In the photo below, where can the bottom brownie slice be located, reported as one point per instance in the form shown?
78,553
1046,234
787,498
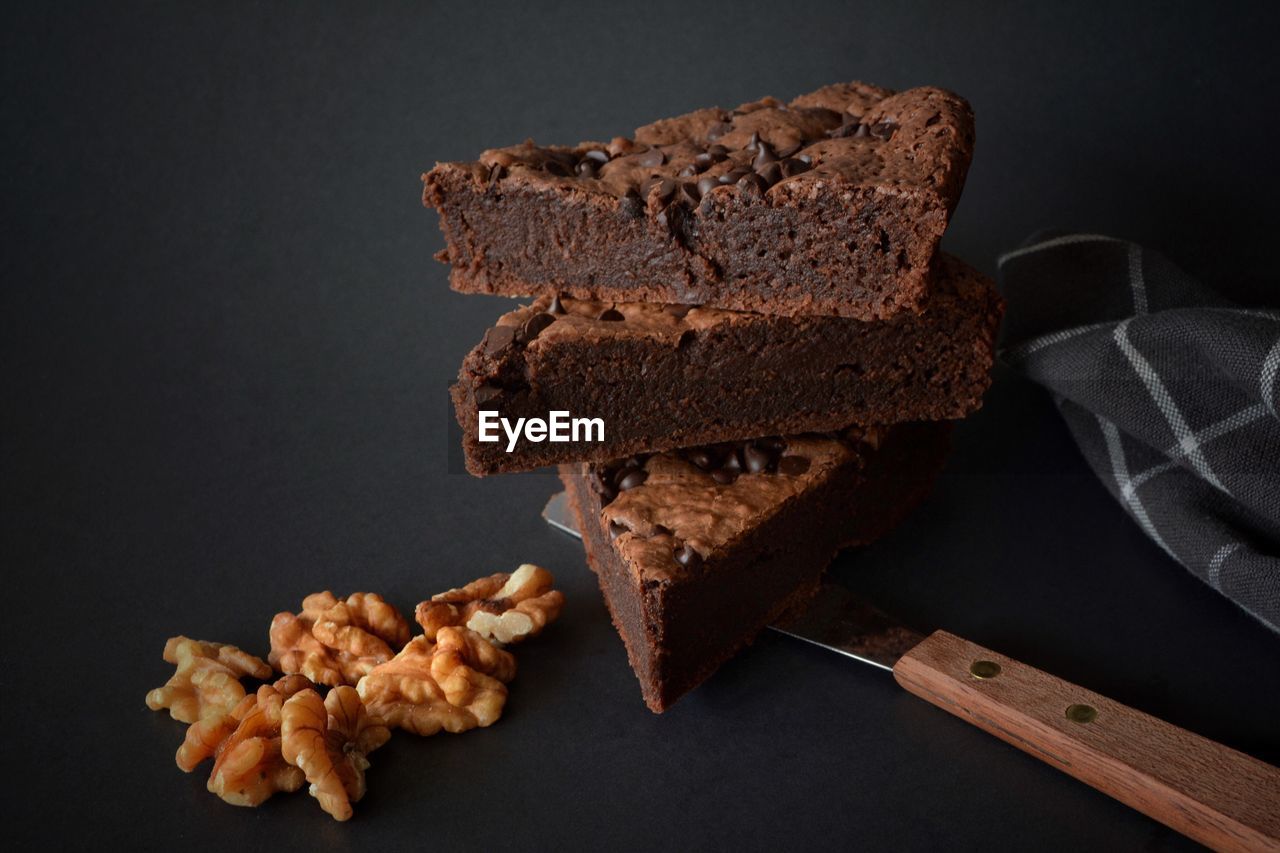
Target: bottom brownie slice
698,550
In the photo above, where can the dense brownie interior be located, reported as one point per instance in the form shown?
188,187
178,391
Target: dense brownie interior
665,376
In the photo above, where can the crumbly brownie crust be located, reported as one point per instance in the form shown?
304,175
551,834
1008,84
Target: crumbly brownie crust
674,537
662,377
831,204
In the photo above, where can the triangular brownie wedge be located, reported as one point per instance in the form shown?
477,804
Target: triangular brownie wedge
830,204
660,377
698,550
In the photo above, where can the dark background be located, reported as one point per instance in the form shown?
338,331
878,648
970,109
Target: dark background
226,352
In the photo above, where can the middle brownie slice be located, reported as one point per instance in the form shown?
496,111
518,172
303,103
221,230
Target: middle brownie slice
660,377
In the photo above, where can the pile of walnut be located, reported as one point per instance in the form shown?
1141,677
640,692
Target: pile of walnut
453,676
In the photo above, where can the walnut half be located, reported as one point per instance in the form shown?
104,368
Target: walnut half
334,641
504,608
248,765
329,740
455,684
207,681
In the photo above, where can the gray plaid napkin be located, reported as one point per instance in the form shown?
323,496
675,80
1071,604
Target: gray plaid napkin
1171,392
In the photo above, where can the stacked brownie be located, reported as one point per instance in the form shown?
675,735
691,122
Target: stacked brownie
752,303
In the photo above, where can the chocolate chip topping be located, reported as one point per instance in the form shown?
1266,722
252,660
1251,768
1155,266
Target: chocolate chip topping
633,478
612,315
534,325
680,507
498,338
686,556
556,306
487,394
652,158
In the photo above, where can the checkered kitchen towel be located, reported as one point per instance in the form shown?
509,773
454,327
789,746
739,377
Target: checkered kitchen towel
1171,392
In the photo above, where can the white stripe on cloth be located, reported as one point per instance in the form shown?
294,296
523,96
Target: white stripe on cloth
1066,240
1215,565
1120,469
1244,417
1177,423
1270,367
1136,282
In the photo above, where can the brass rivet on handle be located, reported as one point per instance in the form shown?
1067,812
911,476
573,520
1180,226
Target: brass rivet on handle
1081,713
984,669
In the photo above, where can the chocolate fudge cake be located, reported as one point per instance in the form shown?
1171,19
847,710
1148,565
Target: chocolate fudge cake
830,204
663,376
698,550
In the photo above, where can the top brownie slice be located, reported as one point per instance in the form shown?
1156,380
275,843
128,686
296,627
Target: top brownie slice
832,204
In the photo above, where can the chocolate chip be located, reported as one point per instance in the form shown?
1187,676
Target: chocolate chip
793,466
752,181
690,193
688,557
776,443
586,169
754,142
723,477
861,131
487,393
555,167
496,174
706,185
616,530
600,485
555,307
635,477
732,463
702,458
756,459
718,151
598,155
771,173
732,177
498,338
678,311
666,189
849,128
652,158
883,129
688,171
764,156
535,324
793,166
632,204
659,530
611,315
707,159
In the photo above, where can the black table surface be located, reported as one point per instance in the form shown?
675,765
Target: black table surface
226,353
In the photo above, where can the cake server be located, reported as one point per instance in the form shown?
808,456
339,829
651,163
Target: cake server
1209,792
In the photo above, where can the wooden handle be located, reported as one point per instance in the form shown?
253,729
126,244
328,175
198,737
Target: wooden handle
1206,791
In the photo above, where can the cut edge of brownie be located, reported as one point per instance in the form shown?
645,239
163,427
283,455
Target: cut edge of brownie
830,216
863,498
664,377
